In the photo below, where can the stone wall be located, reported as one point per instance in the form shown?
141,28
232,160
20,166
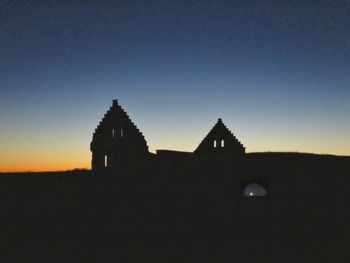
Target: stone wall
116,141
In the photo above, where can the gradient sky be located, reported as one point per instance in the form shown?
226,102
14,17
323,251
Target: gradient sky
276,72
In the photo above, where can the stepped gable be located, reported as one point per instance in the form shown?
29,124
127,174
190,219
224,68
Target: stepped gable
116,139
220,139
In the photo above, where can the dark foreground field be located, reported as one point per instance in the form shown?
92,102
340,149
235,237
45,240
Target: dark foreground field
181,212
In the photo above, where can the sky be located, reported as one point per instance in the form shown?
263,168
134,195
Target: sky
276,72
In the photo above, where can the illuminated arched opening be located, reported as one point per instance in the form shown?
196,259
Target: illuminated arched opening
254,189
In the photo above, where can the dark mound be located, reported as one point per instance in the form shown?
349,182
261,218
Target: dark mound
193,211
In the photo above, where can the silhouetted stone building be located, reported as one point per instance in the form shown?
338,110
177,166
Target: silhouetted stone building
220,140
117,142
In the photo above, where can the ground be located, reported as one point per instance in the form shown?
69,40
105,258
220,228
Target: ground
194,212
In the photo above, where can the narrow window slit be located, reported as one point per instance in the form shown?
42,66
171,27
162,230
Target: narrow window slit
106,161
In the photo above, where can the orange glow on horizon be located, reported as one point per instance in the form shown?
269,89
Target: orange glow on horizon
41,169
85,163
46,154
48,161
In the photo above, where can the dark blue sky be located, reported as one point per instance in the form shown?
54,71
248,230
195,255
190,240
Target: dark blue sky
277,72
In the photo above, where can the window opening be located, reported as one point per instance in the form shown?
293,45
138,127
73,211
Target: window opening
214,144
106,161
222,143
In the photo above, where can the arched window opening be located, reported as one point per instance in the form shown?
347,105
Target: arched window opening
214,144
121,133
222,143
254,190
106,161
113,134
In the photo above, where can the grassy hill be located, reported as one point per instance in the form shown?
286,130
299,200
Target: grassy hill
194,211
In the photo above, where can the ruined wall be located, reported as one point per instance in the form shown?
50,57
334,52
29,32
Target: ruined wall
220,140
116,141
